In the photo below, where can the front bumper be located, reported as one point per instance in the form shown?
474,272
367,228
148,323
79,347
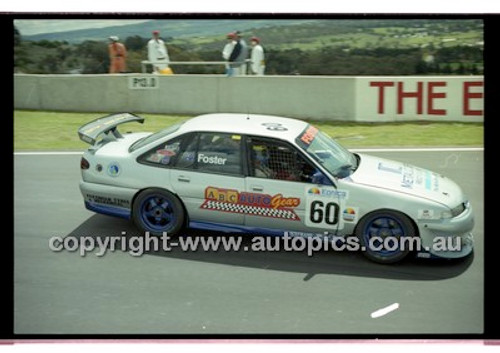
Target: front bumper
448,238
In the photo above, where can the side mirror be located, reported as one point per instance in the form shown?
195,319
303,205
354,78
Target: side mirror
320,179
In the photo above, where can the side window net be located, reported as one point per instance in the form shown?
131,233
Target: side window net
278,161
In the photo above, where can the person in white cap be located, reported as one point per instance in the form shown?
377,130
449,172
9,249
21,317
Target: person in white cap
257,58
117,55
157,53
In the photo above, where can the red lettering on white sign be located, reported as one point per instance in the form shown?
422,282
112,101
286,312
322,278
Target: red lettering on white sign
381,86
417,94
431,95
434,93
468,95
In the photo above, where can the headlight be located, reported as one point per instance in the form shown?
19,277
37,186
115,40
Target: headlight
446,214
455,211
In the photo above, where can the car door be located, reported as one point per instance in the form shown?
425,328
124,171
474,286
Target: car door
285,190
208,175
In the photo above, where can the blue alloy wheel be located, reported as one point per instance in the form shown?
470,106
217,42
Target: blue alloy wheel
382,233
157,211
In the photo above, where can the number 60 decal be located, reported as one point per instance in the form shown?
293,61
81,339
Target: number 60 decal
321,213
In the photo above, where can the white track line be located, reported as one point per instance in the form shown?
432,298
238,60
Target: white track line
384,311
437,149
61,153
443,149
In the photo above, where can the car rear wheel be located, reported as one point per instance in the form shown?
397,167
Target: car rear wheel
382,235
158,211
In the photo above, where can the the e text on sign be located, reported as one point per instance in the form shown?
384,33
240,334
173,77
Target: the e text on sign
436,97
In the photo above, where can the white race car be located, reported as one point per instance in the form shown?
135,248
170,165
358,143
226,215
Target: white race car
268,175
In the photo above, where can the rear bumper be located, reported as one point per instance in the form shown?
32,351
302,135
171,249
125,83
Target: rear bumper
108,210
109,200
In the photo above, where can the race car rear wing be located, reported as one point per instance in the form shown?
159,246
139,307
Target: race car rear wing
106,125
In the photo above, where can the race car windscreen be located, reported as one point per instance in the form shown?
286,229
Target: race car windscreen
331,155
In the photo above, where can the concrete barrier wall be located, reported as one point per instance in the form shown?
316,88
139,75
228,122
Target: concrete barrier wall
458,98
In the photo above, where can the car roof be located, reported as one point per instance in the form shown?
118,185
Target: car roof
250,124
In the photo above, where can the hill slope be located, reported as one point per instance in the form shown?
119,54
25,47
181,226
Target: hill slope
169,28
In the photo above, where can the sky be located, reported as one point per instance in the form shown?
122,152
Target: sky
30,27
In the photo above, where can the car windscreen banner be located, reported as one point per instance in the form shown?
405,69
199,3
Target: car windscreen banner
307,136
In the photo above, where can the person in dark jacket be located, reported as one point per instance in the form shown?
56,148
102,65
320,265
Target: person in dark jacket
226,52
239,55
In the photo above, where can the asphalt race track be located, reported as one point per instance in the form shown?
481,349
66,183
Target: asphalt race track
228,292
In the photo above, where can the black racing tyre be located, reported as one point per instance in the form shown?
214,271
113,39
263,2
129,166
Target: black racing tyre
158,211
380,234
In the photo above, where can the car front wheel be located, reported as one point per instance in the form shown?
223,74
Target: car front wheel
383,234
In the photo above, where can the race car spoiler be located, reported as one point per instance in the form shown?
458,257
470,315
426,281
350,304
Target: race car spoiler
108,124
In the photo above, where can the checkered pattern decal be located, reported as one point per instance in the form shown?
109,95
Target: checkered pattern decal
250,210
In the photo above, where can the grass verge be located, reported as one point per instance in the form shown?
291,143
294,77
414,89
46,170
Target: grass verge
41,130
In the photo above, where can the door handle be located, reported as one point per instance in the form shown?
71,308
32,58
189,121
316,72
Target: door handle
257,188
183,179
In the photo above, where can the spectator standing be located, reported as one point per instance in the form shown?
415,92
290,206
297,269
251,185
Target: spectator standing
117,55
228,49
239,55
243,57
257,63
157,53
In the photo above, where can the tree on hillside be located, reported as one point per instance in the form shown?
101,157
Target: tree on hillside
446,69
49,64
48,44
460,70
134,59
17,36
94,56
286,62
21,60
136,43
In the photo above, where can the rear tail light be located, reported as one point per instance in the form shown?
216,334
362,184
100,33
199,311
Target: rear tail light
84,164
